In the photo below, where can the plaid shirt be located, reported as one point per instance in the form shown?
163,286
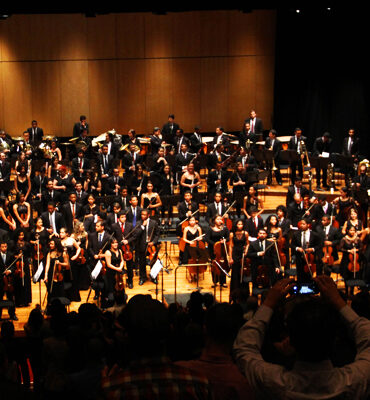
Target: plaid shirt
156,379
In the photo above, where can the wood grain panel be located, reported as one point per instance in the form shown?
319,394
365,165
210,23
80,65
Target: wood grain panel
265,88
17,38
186,34
74,93
214,93
1,96
158,35
130,39
101,37
45,96
102,96
72,36
214,33
159,92
241,37
17,102
242,90
131,96
265,33
186,92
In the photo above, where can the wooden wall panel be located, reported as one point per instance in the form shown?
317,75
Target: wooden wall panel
265,33
45,96
131,107
214,33
158,36
102,96
159,91
17,38
17,102
74,93
241,36
1,96
72,36
214,93
242,90
101,37
186,90
186,34
130,39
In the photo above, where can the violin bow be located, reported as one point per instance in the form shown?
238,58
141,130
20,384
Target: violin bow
189,217
229,208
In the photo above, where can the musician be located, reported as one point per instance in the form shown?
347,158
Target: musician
182,160
85,138
238,183
7,270
38,184
305,241
283,222
216,208
190,180
254,223
112,218
92,185
274,144
296,210
322,208
221,138
22,182
296,188
57,261
238,246
167,185
123,199
22,211
251,200
217,232
247,139
125,235
39,238
169,129
52,220
217,180
351,144
187,207
112,148
295,143
196,140
179,139
148,235
330,236
26,145
114,265
115,183
350,244
53,168
64,183
263,253
131,160
132,139
156,140
80,126
322,144
159,162
134,212
7,223
191,234
72,211
217,156
139,181
247,160
344,202
80,165
81,195
255,123
97,241
5,142
105,161
5,169
275,233
362,185
354,221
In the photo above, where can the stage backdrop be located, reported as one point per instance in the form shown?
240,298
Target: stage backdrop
131,70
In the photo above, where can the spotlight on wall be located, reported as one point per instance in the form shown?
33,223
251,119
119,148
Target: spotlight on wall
297,11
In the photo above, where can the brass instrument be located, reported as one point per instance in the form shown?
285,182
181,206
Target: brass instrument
331,175
304,151
274,168
365,162
125,147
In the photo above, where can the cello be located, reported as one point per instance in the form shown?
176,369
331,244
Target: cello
353,264
221,261
310,266
195,270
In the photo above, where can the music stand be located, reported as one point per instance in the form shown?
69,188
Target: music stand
319,163
289,156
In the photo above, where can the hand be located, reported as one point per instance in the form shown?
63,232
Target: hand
150,244
73,258
329,291
218,181
226,216
300,249
231,261
278,292
261,253
96,256
327,243
277,270
7,272
188,213
124,241
310,250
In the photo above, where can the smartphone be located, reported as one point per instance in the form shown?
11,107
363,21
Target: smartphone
305,288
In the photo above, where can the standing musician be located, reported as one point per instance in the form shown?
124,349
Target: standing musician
190,180
36,133
112,218
265,264
53,221
105,162
39,238
255,123
169,129
251,200
238,183
138,181
7,268
131,160
151,201
361,186
72,211
351,247
192,233
115,183
217,232
167,185
132,139
57,261
216,156
217,180
80,126
126,237
216,208
296,210
297,143
156,140
254,223
114,267
247,139
196,140
182,160
305,242
344,202
354,221
80,165
350,148
274,144
180,139
283,222
322,144
296,188
238,246
147,239
134,212
123,198
323,208
221,138
159,162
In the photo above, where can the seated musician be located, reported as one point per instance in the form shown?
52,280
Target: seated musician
238,248
131,139
351,248
304,243
124,233
151,201
247,159
217,180
7,268
217,232
148,235
251,200
216,208
296,210
264,256
114,265
274,144
322,144
296,188
297,143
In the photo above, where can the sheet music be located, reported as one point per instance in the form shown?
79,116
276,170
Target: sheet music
156,269
96,271
38,273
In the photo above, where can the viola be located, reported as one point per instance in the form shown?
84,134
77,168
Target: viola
353,264
310,266
119,285
58,272
127,253
19,267
281,244
8,283
37,249
245,266
328,258
151,250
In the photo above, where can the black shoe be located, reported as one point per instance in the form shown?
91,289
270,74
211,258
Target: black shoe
224,285
96,297
130,285
141,282
14,317
155,281
280,183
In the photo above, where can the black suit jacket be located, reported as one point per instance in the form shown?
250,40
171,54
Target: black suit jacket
251,228
258,126
112,184
37,182
314,242
303,191
195,143
270,257
276,148
116,228
67,214
295,213
182,209
109,167
128,160
59,220
47,197
319,146
355,149
212,212
213,177
181,161
5,170
155,143
176,142
130,215
334,236
169,132
83,198
153,235
76,167
77,129
292,145
225,141
285,226
37,137
94,245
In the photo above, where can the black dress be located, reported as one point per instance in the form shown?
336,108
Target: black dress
109,278
22,286
84,276
343,210
22,186
56,288
237,255
213,237
344,246
43,237
188,181
189,236
153,212
72,276
167,182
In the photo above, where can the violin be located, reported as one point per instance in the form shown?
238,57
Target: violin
58,272
127,253
328,258
119,285
245,265
37,249
81,259
151,250
221,261
310,266
19,266
281,244
353,264
8,283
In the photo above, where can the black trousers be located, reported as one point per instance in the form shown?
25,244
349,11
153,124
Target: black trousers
293,167
9,297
